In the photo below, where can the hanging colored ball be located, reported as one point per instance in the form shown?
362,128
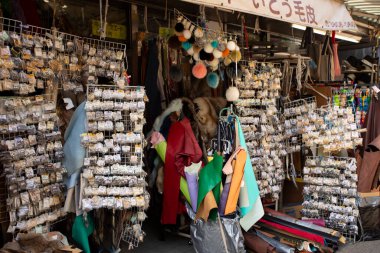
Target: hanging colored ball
213,80
182,38
186,45
199,70
179,27
225,53
187,34
214,43
231,45
214,68
198,33
213,63
232,94
227,61
208,48
203,55
217,54
235,56
187,25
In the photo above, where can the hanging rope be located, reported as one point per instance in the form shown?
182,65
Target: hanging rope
103,23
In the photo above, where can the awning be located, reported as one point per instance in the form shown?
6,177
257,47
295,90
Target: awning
321,14
365,9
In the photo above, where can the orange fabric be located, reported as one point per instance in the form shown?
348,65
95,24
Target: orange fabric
237,177
206,206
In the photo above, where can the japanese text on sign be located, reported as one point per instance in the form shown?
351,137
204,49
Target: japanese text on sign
114,31
322,14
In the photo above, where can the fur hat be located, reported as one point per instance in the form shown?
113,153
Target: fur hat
207,115
234,70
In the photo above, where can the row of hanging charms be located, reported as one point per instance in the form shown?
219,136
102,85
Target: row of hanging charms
35,59
259,115
31,153
113,172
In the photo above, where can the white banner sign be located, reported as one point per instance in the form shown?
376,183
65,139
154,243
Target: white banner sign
321,14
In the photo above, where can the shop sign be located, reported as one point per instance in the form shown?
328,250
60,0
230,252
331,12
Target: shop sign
113,31
321,14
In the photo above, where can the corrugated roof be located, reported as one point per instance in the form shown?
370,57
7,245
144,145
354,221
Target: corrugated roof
366,9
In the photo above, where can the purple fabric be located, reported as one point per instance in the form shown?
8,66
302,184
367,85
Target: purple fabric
223,198
192,183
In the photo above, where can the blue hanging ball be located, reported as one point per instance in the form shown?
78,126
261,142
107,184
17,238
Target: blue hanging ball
213,80
186,45
215,44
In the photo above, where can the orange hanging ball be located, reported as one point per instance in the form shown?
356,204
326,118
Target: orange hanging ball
225,53
199,70
182,38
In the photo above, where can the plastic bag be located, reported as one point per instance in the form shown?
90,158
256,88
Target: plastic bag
207,236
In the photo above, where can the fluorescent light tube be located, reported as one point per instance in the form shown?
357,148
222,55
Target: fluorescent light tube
338,35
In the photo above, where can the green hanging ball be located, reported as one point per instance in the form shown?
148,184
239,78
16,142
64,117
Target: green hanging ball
186,45
214,44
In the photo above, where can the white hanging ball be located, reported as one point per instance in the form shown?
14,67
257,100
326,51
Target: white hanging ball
179,19
227,61
208,48
217,54
214,68
187,26
196,56
190,51
214,62
187,34
198,33
231,45
232,94
237,48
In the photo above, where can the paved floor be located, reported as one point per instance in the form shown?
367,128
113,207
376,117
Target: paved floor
362,247
153,244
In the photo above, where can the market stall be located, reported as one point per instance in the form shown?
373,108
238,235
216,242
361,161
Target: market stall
210,120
